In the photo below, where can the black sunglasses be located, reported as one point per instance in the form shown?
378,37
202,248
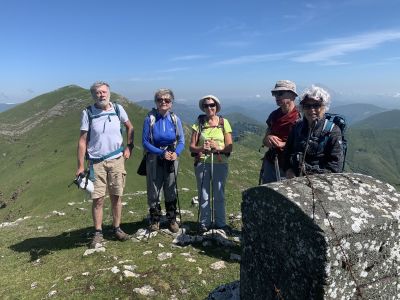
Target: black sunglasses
209,105
310,106
278,93
160,100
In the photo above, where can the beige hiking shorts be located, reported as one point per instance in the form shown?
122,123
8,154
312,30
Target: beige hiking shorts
109,175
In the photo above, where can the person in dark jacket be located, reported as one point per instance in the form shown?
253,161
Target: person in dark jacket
310,149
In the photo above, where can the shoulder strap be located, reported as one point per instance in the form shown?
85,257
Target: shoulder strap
116,108
152,118
175,121
89,113
221,124
326,130
328,126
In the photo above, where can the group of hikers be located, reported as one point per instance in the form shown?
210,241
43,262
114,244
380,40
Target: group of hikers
296,146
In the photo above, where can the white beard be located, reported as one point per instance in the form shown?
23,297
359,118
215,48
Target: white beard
103,103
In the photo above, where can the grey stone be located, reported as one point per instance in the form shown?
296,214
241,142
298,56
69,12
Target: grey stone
341,243
230,291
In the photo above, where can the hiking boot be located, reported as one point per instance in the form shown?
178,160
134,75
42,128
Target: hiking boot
120,235
173,226
226,228
202,228
154,226
97,240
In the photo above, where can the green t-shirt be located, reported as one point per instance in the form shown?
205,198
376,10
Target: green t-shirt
216,134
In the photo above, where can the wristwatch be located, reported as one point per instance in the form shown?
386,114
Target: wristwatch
131,146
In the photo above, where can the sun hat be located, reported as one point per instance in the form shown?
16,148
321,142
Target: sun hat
214,98
284,85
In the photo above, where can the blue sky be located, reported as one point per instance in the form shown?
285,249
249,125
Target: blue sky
233,49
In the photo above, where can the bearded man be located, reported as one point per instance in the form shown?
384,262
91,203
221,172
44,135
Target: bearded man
101,142
279,125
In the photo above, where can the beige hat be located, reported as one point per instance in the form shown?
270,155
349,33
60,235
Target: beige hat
284,85
214,98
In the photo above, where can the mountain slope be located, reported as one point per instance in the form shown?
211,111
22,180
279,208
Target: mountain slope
374,146
375,152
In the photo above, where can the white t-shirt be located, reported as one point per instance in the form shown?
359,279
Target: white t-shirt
105,134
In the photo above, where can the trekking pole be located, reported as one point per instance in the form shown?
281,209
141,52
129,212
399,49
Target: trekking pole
277,170
260,176
302,165
212,193
177,195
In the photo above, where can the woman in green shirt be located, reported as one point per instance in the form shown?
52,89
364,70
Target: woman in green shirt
211,143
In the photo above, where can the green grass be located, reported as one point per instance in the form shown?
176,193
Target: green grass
375,152
60,241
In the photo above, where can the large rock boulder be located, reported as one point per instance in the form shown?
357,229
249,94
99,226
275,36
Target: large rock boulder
332,236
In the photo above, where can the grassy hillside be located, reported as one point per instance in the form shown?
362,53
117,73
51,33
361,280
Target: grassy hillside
374,146
44,224
375,152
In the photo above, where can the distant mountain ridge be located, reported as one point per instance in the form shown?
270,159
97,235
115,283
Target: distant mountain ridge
6,106
357,111
240,122
385,120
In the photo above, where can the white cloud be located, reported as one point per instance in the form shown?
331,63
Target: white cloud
189,57
246,59
331,48
393,58
145,79
172,70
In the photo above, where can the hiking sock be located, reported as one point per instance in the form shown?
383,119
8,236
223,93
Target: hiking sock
98,231
115,229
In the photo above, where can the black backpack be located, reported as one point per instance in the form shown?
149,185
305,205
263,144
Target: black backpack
330,121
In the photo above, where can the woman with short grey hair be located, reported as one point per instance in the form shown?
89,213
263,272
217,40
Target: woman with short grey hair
311,148
163,141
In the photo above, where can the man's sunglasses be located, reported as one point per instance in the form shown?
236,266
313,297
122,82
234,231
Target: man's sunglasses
279,93
310,106
209,105
161,100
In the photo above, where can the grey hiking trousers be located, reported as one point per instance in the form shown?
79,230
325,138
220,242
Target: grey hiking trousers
160,180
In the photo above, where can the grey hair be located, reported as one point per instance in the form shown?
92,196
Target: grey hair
316,93
162,92
97,84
